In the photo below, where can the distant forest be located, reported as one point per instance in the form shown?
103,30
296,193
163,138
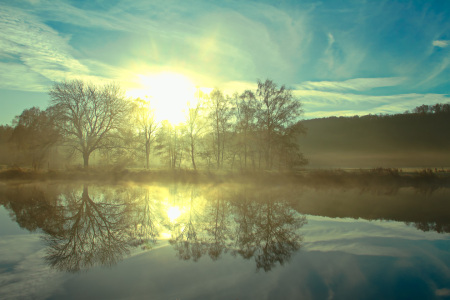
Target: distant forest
417,138
256,130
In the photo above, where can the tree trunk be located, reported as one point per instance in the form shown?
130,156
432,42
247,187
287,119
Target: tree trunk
192,154
147,155
86,159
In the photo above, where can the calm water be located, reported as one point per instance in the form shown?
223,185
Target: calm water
80,241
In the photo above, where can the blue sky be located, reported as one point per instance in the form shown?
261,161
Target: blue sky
339,57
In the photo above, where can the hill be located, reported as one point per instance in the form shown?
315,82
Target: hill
416,140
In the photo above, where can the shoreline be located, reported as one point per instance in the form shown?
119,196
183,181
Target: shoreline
377,177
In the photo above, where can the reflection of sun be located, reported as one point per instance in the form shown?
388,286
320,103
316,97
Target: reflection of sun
173,213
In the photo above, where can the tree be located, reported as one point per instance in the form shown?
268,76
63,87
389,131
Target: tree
194,126
34,134
278,110
169,144
219,116
88,115
5,149
146,124
245,122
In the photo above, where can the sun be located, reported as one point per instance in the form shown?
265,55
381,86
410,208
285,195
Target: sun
169,94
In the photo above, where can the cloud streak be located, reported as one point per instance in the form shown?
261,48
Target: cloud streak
34,48
356,84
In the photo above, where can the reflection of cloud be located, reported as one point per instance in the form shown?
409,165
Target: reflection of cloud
441,43
29,277
361,237
443,292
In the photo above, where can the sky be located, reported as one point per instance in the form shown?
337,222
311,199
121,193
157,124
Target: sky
340,58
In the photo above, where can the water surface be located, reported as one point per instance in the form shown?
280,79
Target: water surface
222,241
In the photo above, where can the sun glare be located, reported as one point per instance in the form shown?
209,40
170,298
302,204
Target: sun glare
168,93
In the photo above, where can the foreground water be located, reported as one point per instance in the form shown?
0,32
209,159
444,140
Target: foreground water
223,241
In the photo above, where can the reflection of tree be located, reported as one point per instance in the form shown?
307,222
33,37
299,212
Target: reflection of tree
245,210
93,232
147,217
32,206
432,226
267,228
185,239
217,224
249,223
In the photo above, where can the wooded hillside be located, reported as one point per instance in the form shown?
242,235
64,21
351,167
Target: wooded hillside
417,139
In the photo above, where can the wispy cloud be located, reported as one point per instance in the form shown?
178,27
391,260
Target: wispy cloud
239,43
10,73
34,48
325,104
356,84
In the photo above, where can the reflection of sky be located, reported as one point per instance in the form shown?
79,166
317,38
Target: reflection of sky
340,258
362,236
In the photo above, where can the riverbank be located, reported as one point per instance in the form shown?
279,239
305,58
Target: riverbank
339,178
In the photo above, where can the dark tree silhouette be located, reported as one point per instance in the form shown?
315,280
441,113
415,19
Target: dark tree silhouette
34,134
33,206
278,110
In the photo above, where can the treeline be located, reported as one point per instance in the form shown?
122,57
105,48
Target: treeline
425,129
257,129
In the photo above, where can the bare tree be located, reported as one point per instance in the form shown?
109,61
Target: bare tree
194,126
146,124
169,144
88,115
219,114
